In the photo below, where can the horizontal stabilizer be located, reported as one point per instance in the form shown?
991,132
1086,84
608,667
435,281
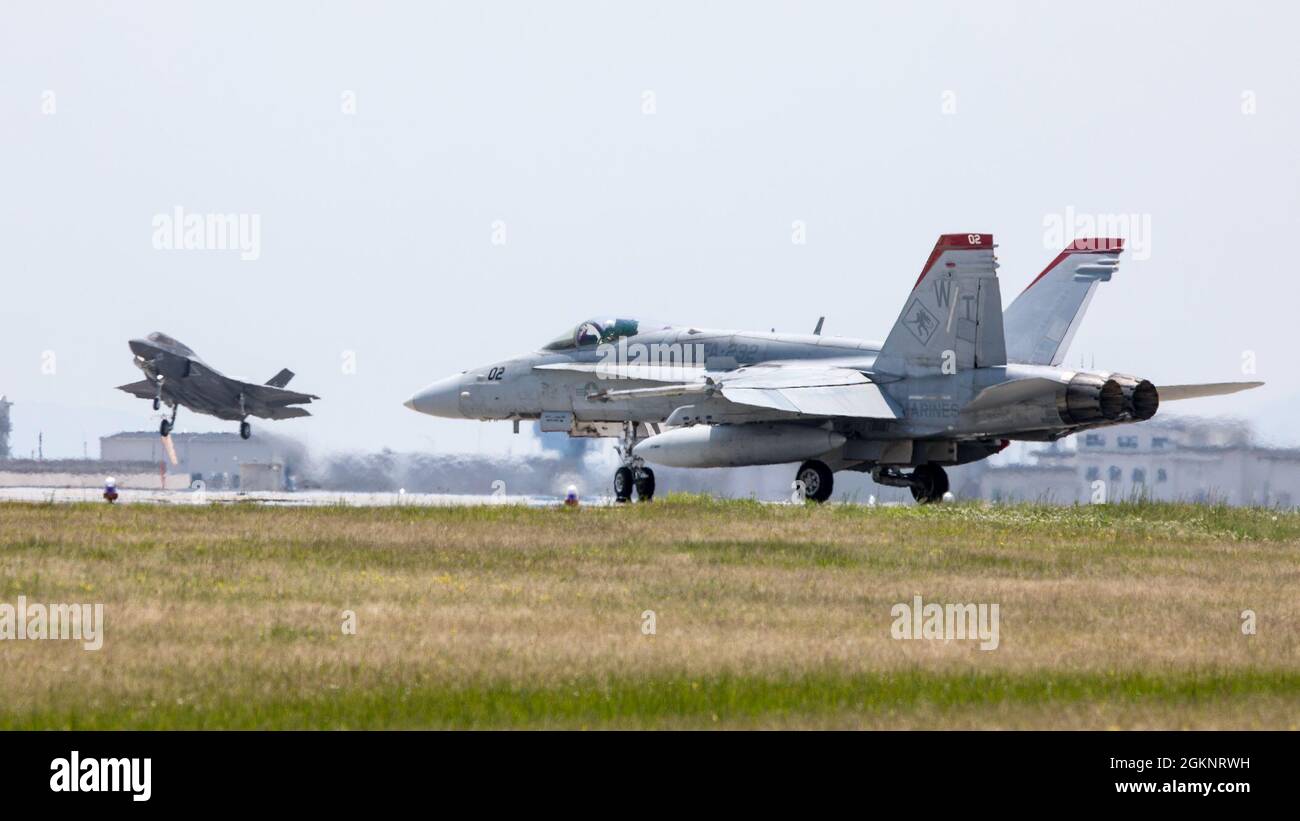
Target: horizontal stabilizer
1172,393
1008,393
282,412
281,379
267,395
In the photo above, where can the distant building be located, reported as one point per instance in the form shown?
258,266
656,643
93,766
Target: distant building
5,427
1175,459
261,476
87,473
216,459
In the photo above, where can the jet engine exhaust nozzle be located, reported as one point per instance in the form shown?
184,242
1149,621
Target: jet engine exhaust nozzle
1089,398
1141,399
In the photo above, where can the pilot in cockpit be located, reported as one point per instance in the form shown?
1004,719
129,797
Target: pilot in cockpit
588,333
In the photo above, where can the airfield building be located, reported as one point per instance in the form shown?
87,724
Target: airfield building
1175,459
5,427
222,461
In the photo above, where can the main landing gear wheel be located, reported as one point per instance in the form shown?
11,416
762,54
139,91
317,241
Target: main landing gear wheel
623,482
645,485
931,482
245,430
157,403
168,424
817,479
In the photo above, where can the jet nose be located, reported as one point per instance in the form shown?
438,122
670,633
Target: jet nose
442,398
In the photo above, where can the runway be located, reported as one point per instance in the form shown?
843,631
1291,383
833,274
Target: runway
307,498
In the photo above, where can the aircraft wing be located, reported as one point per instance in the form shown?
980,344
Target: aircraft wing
796,389
1172,393
271,396
253,393
270,402
811,391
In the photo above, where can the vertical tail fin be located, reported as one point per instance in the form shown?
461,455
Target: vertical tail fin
953,317
1042,321
280,379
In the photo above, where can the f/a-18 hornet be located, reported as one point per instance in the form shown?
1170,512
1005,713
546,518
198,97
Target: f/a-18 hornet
956,380
175,376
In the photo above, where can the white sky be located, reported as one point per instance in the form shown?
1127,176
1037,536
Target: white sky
376,227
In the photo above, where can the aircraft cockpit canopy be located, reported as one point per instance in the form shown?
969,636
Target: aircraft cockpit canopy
600,332
166,341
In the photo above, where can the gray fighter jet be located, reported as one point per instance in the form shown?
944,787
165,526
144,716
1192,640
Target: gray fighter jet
175,376
956,380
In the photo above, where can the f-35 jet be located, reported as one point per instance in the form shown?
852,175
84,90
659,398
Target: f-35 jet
175,376
956,380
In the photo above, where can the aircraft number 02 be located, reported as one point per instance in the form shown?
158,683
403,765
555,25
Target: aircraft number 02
496,374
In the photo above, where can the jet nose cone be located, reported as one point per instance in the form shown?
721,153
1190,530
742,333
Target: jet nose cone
442,398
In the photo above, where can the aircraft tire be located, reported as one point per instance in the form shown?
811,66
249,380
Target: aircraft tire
943,482
165,428
157,403
932,483
623,482
818,480
245,430
645,485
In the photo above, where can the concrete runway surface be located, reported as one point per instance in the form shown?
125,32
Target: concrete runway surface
307,498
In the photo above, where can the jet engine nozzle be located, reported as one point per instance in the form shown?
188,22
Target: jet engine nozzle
1090,398
1141,399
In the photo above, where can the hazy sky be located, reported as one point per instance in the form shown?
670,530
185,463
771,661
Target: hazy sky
643,158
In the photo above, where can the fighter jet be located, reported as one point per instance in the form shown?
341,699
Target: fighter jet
955,381
175,376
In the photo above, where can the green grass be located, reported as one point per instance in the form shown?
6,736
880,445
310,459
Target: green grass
646,702
1122,615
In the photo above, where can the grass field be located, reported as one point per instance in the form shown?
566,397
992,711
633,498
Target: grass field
1111,616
